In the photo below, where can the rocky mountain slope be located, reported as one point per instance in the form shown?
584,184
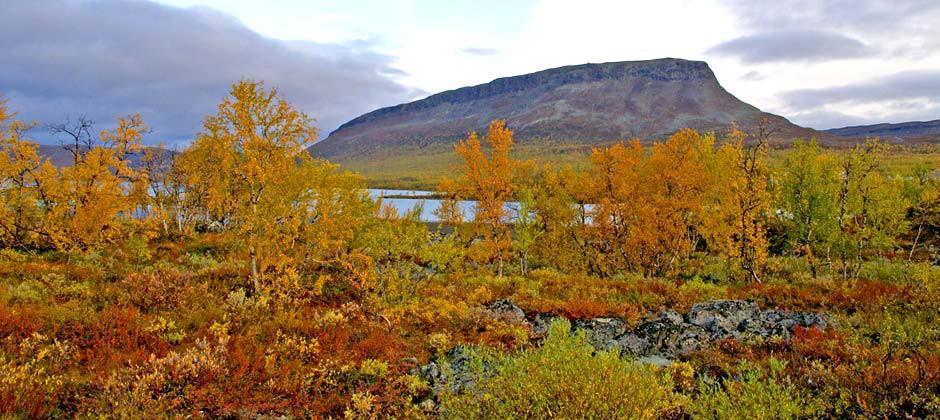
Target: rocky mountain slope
587,103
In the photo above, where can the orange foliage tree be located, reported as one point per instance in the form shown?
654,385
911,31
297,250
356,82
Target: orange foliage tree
616,190
489,180
739,206
649,207
74,208
249,173
91,203
19,167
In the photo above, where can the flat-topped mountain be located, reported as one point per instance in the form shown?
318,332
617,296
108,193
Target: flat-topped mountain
913,130
588,103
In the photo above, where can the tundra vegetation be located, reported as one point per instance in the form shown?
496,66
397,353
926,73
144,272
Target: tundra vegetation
243,277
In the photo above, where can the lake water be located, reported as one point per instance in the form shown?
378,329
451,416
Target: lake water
430,205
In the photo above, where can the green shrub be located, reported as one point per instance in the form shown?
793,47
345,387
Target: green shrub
564,378
753,395
197,261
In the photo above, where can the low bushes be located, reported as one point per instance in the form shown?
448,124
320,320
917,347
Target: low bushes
564,378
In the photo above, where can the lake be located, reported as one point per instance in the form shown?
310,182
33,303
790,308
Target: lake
400,199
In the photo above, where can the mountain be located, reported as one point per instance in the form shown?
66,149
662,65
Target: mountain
56,154
586,104
914,130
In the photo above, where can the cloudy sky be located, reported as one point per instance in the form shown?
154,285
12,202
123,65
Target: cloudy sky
822,64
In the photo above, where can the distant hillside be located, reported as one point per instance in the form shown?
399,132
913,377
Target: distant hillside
59,156
914,130
585,104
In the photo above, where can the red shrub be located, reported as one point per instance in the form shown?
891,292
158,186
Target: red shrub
19,322
113,339
583,308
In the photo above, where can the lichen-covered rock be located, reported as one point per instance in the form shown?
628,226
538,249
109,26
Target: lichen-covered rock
458,369
506,310
601,332
671,335
667,335
775,323
671,316
634,344
542,322
657,341
721,318
431,373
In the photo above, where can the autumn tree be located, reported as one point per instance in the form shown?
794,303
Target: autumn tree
240,164
649,205
923,193
562,207
526,229
617,191
740,203
807,201
678,182
250,173
20,164
871,208
91,203
166,197
488,179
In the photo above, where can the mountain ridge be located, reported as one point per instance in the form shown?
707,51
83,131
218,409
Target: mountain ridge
904,130
541,79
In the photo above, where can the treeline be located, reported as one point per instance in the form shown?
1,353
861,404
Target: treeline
249,178
649,209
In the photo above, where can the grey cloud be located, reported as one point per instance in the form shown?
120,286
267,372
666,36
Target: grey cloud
867,15
792,46
906,85
893,28
480,51
905,96
897,27
105,58
823,119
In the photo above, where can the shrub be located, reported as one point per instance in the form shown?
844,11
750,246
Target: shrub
166,385
198,261
166,329
752,396
159,288
564,378
33,377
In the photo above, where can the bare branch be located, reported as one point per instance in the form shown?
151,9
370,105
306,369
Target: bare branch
74,136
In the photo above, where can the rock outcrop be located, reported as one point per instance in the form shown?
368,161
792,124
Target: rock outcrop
671,334
659,340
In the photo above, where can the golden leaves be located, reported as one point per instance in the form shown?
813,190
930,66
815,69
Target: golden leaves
489,179
250,172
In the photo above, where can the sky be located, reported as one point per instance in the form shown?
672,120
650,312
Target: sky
822,64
